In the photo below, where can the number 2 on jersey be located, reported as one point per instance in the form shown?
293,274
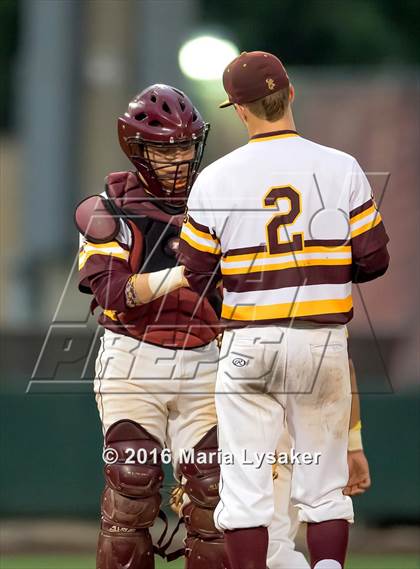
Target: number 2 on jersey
274,243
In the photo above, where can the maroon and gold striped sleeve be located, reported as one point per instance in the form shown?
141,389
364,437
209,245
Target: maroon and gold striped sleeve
103,271
199,252
367,231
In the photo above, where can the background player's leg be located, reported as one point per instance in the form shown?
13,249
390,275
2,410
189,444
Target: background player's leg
250,423
318,411
285,524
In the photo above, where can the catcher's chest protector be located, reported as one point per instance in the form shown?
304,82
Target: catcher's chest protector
181,318
155,232
159,242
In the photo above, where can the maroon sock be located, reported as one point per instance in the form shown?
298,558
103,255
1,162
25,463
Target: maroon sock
247,548
328,540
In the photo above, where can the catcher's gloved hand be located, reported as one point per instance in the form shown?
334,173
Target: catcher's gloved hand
176,499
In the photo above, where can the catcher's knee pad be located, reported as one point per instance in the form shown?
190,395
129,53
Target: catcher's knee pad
127,475
204,546
202,477
131,499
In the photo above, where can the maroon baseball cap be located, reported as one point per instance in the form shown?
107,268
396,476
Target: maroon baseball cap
253,75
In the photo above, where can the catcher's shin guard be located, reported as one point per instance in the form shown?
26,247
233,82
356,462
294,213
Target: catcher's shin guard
204,546
131,499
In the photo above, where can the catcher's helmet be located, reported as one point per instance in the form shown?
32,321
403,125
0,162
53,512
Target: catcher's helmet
163,135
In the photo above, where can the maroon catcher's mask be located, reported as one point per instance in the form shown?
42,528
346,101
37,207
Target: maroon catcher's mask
163,135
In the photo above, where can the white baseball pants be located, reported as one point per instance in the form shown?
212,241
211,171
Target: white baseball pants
265,376
168,392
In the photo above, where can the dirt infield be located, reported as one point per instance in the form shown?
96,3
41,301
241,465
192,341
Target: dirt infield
79,537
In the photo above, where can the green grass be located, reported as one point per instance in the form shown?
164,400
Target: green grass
52,562
383,562
84,562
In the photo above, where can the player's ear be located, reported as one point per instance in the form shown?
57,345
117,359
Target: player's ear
241,110
291,93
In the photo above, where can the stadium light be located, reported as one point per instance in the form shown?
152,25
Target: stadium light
204,58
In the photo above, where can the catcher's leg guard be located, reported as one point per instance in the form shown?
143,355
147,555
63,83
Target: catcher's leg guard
131,499
204,546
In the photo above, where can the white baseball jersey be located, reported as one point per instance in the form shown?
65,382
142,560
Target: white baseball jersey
285,221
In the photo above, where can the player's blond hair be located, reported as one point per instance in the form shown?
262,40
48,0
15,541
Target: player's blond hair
272,107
